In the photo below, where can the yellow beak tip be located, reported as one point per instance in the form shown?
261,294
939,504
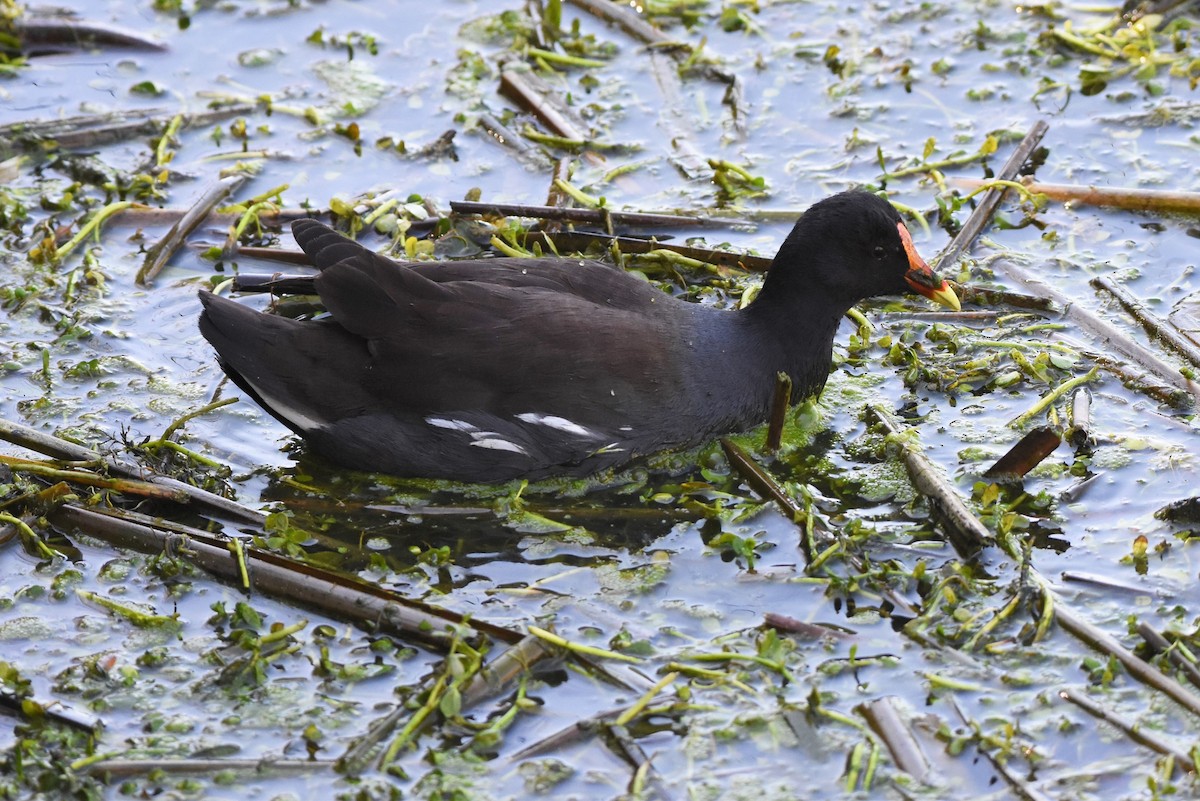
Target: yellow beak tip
945,296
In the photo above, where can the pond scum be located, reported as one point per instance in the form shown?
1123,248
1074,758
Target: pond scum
403,685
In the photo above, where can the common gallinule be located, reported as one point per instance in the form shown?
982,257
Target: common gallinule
493,369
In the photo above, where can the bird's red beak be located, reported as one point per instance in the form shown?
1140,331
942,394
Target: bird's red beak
924,280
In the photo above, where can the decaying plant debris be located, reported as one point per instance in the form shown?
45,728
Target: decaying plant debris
848,603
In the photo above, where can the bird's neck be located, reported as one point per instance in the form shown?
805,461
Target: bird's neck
798,328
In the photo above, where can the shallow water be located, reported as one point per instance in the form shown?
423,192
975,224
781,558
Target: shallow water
814,122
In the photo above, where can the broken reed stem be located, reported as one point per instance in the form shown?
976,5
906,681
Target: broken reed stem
64,35
781,400
1102,330
126,486
1154,325
125,768
1164,646
884,719
97,130
981,217
518,87
56,448
161,251
304,585
1080,432
967,534
501,673
1134,731
1137,668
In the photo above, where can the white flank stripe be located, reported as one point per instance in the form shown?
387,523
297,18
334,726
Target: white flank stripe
555,422
499,445
454,425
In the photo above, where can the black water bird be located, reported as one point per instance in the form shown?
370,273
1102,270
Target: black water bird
493,369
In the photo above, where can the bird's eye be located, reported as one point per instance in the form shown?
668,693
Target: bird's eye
880,251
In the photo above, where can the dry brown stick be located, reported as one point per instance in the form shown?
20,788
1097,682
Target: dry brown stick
1025,455
1163,646
884,719
628,20
518,87
311,587
1154,325
64,34
161,251
1102,582
967,534
1143,381
980,296
981,217
1138,668
57,448
594,216
1110,197
1133,731
816,631
572,733
1102,330
764,484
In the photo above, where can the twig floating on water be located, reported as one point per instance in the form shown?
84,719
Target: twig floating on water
1154,324
628,20
270,574
981,217
1101,329
161,252
1163,646
96,130
967,534
66,35
1138,668
1133,731
124,768
884,719
518,87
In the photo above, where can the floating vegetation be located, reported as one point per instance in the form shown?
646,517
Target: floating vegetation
851,601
